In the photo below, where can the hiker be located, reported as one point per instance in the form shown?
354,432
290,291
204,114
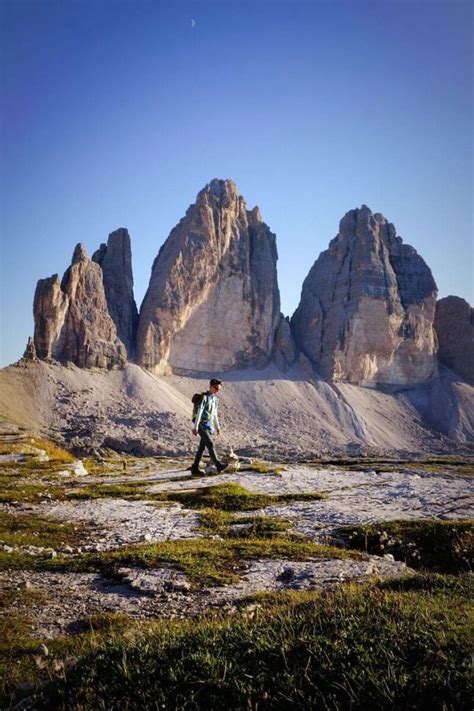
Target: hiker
205,423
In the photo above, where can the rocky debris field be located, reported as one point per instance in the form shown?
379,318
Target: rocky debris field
143,537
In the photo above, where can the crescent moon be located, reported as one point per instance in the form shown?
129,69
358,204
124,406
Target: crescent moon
193,23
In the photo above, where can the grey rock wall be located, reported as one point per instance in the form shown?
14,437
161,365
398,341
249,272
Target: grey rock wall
213,302
115,258
454,324
367,307
72,321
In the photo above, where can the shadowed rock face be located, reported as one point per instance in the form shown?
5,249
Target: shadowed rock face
213,301
115,258
72,321
454,324
284,349
367,307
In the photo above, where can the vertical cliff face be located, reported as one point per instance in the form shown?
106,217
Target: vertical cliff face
454,324
213,300
72,321
367,307
49,309
115,258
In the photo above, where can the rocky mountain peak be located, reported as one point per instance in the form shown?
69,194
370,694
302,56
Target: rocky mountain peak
220,189
80,254
367,306
255,216
72,318
214,278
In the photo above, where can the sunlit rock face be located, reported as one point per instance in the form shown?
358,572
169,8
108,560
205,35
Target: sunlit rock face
213,302
367,307
454,324
50,306
72,321
115,258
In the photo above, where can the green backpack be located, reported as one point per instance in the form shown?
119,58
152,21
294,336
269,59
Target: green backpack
196,400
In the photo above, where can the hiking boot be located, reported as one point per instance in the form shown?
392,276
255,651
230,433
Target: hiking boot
220,466
196,471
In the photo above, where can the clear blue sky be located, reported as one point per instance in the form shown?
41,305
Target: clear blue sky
117,112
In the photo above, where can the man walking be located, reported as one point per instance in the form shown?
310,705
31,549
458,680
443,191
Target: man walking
205,423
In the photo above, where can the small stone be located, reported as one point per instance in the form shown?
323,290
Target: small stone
92,548
177,586
33,550
67,549
51,553
147,537
389,556
79,469
7,548
287,574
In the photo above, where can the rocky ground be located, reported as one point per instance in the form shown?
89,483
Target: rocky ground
129,515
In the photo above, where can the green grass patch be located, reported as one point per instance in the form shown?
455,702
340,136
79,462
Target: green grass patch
23,530
358,647
205,561
222,523
263,468
54,452
438,465
231,497
20,598
213,562
23,669
131,490
439,546
23,491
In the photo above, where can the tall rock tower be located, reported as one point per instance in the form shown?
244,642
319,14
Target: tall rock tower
115,258
72,321
454,324
367,307
213,301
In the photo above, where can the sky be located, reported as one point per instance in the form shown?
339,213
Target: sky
115,113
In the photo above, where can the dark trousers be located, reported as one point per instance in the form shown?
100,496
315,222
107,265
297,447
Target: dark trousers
206,441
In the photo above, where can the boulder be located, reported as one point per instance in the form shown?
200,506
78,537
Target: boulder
213,302
454,324
367,307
